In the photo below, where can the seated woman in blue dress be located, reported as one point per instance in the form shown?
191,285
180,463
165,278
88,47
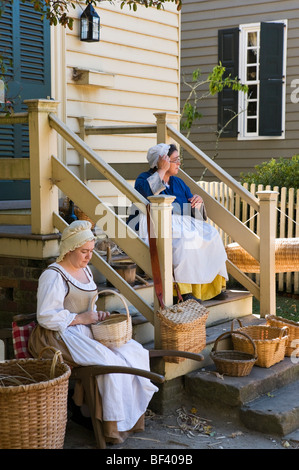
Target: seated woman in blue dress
199,257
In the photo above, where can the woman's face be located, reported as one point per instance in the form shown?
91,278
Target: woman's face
175,162
81,256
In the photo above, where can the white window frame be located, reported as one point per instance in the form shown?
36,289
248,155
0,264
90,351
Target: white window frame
242,112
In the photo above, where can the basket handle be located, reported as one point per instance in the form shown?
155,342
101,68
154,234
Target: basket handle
229,334
93,300
284,331
57,354
232,324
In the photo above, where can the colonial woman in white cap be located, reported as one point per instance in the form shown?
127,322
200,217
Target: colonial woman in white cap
199,257
65,291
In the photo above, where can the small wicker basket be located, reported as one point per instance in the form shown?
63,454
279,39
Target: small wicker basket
270,342
231,362
183,328
117,329
292,345
33,402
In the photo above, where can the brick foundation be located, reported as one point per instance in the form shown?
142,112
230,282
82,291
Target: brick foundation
18,286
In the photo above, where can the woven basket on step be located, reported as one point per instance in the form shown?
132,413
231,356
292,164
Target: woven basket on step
33,402
231,362
183,328
293,336
270,342
286,256
117,329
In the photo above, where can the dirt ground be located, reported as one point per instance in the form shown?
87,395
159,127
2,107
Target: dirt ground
183,429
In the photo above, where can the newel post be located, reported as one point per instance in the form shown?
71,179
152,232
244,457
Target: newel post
162,119
268,214
161,212
42,145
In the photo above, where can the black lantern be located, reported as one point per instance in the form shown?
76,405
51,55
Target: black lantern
90,25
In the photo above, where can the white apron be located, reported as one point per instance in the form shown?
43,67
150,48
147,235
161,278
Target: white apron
197,249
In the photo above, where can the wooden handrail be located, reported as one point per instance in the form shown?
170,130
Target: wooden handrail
213,167
100,164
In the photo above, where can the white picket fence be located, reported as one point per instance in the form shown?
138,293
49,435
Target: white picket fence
287,220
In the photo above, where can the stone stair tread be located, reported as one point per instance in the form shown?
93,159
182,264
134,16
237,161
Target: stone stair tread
276,412
206,383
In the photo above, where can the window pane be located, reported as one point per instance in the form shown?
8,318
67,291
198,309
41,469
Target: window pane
252,56
252,107
251,73
251,125
252,92
252,39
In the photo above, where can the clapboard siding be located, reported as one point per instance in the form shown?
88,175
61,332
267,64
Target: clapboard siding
201,21
142,50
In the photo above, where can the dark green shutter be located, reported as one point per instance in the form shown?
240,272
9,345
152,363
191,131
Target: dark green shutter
228,55
271,79
25,45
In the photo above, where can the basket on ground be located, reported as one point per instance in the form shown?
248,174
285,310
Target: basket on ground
33,403
270,342
183,328
117,329
231,362
292,344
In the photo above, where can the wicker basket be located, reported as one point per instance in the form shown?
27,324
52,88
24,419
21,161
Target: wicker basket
270,342
293,339
33,402
117,329
232,362
286,256
183,328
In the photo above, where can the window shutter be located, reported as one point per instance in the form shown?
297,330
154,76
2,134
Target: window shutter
228,55
25,43
271,79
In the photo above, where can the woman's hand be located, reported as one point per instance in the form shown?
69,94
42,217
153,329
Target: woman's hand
195,200
103,315
90,317
163,163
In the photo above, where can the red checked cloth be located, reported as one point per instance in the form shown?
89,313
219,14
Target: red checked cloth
20,337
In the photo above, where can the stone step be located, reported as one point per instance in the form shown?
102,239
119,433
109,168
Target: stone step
276,412
266,400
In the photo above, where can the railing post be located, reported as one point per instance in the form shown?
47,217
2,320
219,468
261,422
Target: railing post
268,205
161,211
42,145
162,120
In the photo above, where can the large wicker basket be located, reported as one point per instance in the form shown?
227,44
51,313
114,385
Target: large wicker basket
270,342
292,345
231,362
286,256
117,329
183,328
33,403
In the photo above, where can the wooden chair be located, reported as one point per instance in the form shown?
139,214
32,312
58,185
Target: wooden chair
87,374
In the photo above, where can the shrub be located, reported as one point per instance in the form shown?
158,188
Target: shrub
283,172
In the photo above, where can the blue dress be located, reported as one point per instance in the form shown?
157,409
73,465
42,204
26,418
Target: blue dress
198,252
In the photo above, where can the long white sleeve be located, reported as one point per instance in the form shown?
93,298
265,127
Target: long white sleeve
51,313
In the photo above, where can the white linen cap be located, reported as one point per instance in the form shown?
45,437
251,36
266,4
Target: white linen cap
155,152
74,236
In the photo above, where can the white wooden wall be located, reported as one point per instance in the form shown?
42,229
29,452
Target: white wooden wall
139,52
